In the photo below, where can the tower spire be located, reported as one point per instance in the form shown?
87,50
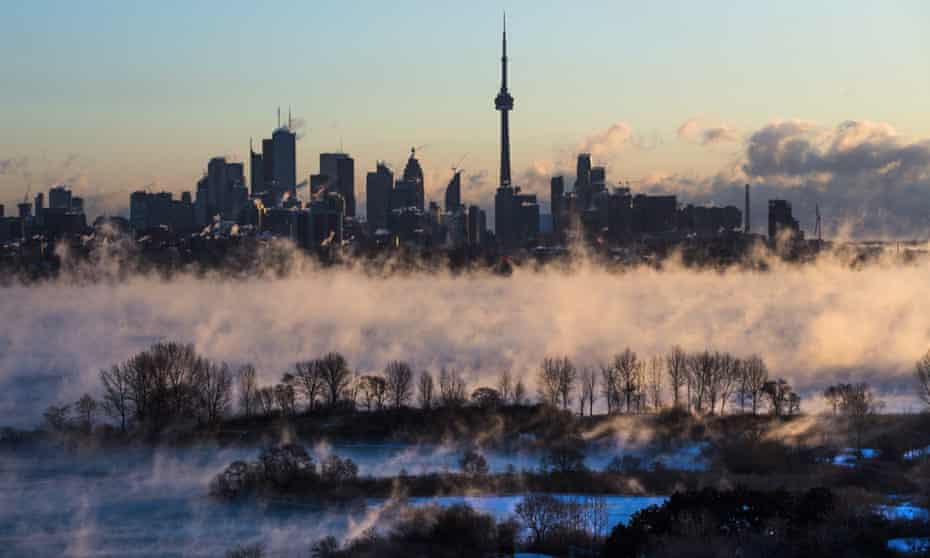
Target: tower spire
504,104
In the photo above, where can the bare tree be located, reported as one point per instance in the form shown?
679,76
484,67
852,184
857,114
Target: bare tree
556,381
922,374
285,397
425,389
266,400
701,370
834,396
519,393
629,373
86,410
215,392
859,405
654,376
754,375
399,378
609,387
248,385
588,389
373,390
452,388
723,380
676,367
505,386
308,381
117,402
778,393
336,376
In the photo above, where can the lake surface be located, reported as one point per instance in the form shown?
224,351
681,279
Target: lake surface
144,502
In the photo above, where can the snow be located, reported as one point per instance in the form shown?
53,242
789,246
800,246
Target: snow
909,545
849,458
904,512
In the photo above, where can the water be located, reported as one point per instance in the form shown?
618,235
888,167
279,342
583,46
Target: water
144,502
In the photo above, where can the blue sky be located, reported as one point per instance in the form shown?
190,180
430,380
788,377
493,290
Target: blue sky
147,92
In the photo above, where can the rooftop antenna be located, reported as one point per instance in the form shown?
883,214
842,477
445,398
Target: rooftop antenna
289,117
817,227
279,117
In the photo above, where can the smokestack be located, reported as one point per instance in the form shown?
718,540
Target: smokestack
746,222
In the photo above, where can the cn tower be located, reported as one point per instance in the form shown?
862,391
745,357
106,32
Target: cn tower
504,103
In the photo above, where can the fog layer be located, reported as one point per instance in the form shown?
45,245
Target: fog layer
813,324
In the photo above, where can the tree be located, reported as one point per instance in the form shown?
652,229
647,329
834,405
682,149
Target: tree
701,370
116,399
215,392
505,386
373,390
654,376
833,395
859,405
922,374
336,376
451,388
425,389
519,393
778,393
57,417
676,367
308,381
399,378
473,463
248,386
609,387
556,381
86,410
486,397
753,377
628,370
266,400
285,397
588,390
541,514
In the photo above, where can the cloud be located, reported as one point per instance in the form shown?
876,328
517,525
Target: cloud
605,143
694,131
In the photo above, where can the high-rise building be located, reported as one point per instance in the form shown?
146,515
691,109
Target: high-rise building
413,172
59,197
583,181
256,172
378,186
556,196
454,192
339,170
504,104
268,178
284,143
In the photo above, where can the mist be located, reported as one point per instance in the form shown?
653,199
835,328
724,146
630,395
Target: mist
814,324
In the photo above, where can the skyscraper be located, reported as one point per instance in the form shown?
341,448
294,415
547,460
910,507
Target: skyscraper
583,181
378,186
284,165
506,207
413,172
556,195
454,192
256,171
339,168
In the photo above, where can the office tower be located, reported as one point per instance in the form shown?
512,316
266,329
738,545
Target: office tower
256,172
413,172
59,197
556,193
284,143
583,181
378,186
598,180
747,228
339,170
268,179
454,192
781,219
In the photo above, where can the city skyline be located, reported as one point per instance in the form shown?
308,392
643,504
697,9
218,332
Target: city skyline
688,148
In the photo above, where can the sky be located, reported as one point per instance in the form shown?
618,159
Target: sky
112,97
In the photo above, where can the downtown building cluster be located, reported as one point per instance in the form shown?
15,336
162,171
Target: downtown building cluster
320,211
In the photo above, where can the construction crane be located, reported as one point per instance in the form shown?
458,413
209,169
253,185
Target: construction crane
818,232
457,168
